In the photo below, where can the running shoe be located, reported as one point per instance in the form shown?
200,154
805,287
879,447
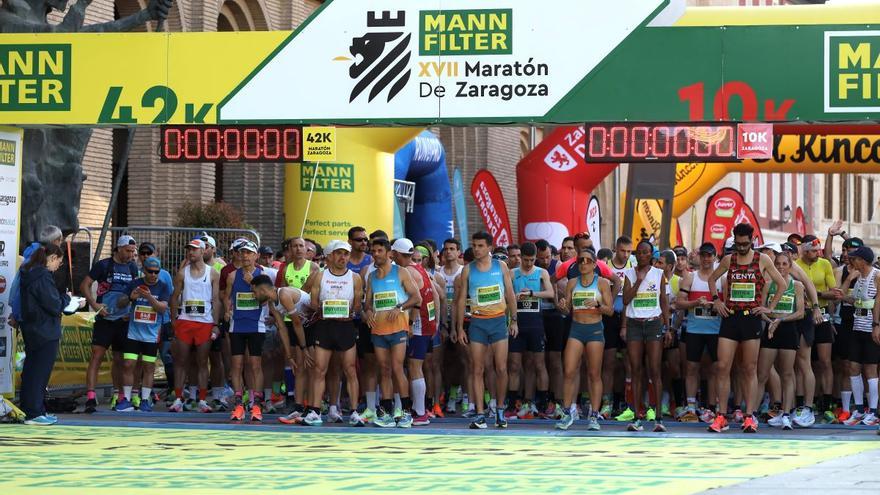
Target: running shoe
124,405
470,413
511,413
626,416
146,406
829,418
405,421
169,398
764,409
606,411
842,416
220,405
40,421
355,419
190,405
277,400
635,425
204,407
786,422
385,420
293,418
525,412
776,421
368,415
664,410
136,399
651,415
689,416
679,412
855,418
659,427
487,397
500,421
313,419
479,423
256,413
491,412
113,400
334,417
422,420
737,416
398,413
270,409
719,424
593,423
558,412
91,406
437,411
176,406
237,413
750,424
566,422
707,416
806,418
870,419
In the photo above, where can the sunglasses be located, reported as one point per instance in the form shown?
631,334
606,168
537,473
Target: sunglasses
146,253
586,260
582,235
152,272
743,244
361,239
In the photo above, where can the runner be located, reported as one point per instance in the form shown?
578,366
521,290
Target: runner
450,272
391,293
148,299
210,255
247,332
113,275
702,332
434,359
532,286
197,286
336,295
424,326
781,339
741,325
865,341
587,298
647,314
619,263
266,256
671,356
368,373
567,250
487,283
847,275
514,256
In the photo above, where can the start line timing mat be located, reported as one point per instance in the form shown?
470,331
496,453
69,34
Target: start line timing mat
96,460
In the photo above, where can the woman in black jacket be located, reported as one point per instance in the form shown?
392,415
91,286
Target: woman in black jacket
41,307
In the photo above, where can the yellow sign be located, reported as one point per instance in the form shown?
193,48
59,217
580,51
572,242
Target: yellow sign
319,144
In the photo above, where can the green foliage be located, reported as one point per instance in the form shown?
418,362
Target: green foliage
216,215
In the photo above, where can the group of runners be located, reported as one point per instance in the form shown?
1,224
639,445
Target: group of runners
395,334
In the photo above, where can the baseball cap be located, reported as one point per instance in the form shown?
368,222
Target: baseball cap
795,239
402,246
125,240
680,251
708,248
238,243
773,246
810,243
196,243
788,247
853,242
152,263
335,245
146,248
266,250
209,240
248,246
863,252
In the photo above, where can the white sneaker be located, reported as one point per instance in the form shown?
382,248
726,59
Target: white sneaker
355,419
334,417
786,422
805,418
313,419
176,406
204,407
855,418
776,421
870,419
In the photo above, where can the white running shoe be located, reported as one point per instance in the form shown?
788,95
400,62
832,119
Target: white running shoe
204,407
870,419
334,417
776,421
786,422
855,418
313,419
355,419
176,406
805,418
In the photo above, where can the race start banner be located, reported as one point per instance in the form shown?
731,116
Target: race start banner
10,215
725,209
490,201
420,62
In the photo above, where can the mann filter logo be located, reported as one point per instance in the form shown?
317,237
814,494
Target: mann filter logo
7,152
34,77
384,56
852,71
326,177
466,32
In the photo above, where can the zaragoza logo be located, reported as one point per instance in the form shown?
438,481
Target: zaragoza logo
384,56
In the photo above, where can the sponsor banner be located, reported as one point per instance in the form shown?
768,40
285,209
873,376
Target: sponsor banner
554,185
594,222
488,198
10,216
801,222
754,141
648,222
725,209
460,208
319,144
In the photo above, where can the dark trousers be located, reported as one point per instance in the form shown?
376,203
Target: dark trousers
38,363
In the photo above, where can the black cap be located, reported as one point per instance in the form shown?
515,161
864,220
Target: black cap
146,248
788,247
808,238
853,242
707,248
863,252
265,250
795,239
680,251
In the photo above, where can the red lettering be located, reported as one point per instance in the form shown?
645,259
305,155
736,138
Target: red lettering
745,93
780,113
693,95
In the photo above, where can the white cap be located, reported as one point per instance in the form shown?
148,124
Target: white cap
248,246
403,246
773,246
196,243
728,243
336,244
125,240
209,240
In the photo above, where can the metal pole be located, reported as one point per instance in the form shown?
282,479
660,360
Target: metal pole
117,184
615,208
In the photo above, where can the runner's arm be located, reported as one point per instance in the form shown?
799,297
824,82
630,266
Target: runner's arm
664,304
358,294
723,266
607,306
175,296
216,308
282,330
461,298
682,302
315,294
412,290
771,270
546,291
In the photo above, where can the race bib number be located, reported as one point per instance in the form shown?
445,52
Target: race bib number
145,314
528,305
245,301
705,313
646,300
488,295
432,311
742,292
864,303
335,308
194,307
581,298
383,301
785,305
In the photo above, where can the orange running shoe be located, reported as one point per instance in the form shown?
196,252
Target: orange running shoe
719,424
438,411
750,425
256,414
843,416
237,413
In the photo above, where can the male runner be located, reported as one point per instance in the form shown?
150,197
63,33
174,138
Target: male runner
567,250
210,255
620,262
864,347
487,283
450,271
368,372
514,256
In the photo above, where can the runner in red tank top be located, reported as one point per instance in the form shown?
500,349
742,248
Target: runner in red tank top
741,327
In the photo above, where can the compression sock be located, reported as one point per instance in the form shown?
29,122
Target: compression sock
289,381
858,391
418,390
371,400
872,393
845,399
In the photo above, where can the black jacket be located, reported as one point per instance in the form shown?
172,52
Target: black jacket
41,306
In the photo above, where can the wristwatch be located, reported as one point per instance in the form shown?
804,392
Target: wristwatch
715,298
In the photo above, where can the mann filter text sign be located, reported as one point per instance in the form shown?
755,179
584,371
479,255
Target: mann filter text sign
852,71
34,77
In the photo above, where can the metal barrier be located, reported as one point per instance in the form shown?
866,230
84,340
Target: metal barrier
171,241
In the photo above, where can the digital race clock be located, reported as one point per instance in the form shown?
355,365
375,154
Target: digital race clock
629,142
253,143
